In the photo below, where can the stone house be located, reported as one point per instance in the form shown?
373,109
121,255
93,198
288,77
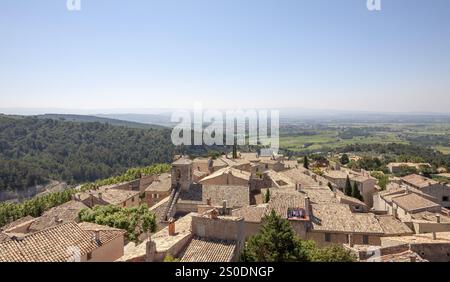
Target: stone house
65,242
430,187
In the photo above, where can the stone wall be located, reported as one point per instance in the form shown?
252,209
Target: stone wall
342,238
435,252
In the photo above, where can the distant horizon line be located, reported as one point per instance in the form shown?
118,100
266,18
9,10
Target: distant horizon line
161,110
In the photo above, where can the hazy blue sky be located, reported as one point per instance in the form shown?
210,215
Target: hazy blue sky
226,53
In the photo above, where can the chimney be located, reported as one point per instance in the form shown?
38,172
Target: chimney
150,251
394,212
92,199
308,206
412,258
171,227
224,205
438,218
100,195
97,236
314,177
407,190
55,219
320,183
350,240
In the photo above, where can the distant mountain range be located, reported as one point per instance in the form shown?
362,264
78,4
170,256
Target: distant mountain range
142,118
111,121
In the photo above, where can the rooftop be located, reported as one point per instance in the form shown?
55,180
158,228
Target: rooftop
430,217
24,220
209,250
402,257
329,216
337,174
339,218
164,241
182,161
412,202
49,245
63,213
228,170
392,226
162,183
425,238
419,181
236,196
115,196
106,233
251,213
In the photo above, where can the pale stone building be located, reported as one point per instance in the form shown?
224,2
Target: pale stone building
65,242
158,189
430,187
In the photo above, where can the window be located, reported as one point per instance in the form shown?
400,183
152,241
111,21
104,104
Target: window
365,240
327,237
445,199
132,200
89,256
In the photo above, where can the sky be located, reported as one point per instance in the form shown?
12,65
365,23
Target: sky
315,54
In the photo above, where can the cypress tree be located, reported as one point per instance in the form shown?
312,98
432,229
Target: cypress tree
267,196
235,148
306,162
355,192
348,187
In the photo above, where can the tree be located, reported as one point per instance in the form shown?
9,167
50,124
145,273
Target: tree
317,171
276,242
135,220
169,258
355,192
235,148
306,162
333,253
267,196
348,187
383,179
345,159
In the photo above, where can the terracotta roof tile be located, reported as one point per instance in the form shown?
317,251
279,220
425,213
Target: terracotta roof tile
413,202
48,245
209,250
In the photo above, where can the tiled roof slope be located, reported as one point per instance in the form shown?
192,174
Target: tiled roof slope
49,245
209,250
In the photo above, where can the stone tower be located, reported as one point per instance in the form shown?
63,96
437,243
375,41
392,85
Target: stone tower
182,173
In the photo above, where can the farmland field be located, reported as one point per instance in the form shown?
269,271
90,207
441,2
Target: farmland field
330,136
